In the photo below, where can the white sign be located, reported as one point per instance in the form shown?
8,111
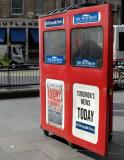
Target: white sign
55,103
85,112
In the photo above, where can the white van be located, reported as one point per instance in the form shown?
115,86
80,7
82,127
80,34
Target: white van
118,45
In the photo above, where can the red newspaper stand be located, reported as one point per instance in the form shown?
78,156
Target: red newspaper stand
76,76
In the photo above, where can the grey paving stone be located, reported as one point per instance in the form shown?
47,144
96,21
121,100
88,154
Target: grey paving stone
5,158
5,131
32,155
20,123
15,144
21,137
34,135
3,152
58,150
118,137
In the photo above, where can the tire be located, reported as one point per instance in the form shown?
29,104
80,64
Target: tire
1,66
46,133
71,144
13,65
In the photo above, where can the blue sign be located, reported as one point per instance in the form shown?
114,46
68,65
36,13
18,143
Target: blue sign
54,60
54,22
86,62
87,18
85,127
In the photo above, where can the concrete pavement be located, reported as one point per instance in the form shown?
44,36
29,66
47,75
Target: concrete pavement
19,91
22,139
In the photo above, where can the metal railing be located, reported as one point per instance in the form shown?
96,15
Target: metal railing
24,76
118,76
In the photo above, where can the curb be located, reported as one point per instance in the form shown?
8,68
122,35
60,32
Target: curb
19,93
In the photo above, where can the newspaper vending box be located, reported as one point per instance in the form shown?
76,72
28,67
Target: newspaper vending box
76,75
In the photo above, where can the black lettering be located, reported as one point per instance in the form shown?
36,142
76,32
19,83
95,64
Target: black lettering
11,23
78,112
23,24
30,24
88,115
82,116
4,23
85,102
86,94
93,96
85,114
16,24
92,114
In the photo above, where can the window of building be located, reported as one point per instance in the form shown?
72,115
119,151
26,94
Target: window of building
39,7
63,3
75,1
3,36
33,45
17,7
87,51
55,47
93,1
121,41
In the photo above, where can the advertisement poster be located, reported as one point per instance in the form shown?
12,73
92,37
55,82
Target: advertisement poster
55,102
85,112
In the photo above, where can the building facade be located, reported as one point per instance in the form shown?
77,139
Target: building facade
116,4
19,25
19,20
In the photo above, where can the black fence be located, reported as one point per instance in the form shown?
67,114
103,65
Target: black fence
118,76
21,76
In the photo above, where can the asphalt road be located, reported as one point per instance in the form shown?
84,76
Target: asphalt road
22,139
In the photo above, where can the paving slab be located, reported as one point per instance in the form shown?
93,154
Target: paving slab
22,139
15,144
32,155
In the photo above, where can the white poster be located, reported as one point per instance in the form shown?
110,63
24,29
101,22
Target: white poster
55,102
85,112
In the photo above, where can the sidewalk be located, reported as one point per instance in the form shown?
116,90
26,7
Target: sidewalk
22,91
22,139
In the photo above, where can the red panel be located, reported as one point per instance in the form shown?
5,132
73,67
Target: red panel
71,79
102,78
50,71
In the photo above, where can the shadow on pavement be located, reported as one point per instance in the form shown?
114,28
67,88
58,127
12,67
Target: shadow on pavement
116,148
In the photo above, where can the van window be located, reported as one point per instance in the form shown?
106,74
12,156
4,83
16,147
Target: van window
87,47
121,41
55,47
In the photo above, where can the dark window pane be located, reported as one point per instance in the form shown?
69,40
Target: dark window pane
121,41
63,3
55,47
17,3
39,6
86,47
17,6
17,11
75,1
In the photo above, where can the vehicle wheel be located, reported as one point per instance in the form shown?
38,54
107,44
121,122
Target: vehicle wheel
71,144
13,65
1,66
46,133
